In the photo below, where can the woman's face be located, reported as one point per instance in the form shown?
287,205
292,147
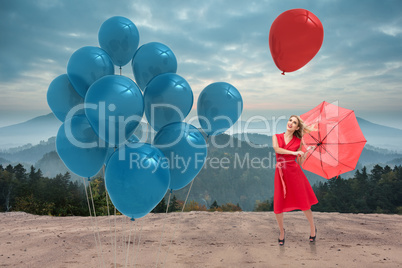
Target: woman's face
293,124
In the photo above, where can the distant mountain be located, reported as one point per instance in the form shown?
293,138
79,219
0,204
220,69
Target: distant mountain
379,150
29,153
374,157
369,157
254,138
33,131
51,165
381,136
376,135
376,129
36,130
394,162
383,143
43,127
4,161
265,127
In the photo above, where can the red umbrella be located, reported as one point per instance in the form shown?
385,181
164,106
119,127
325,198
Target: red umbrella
337,141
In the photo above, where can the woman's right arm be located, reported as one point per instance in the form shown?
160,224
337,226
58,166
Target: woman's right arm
280,150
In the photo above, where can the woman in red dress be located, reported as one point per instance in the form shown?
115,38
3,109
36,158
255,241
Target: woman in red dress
292,189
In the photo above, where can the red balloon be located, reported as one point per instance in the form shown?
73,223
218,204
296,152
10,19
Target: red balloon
295,37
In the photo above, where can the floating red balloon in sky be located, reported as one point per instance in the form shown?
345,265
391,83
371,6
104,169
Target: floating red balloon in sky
295,37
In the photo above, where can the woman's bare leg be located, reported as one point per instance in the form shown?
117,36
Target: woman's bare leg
309,216
279,219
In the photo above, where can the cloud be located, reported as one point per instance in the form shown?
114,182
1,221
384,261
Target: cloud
214,41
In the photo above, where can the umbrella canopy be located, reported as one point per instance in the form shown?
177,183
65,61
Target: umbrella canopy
337,141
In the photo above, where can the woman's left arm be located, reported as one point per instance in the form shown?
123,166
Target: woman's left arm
300,158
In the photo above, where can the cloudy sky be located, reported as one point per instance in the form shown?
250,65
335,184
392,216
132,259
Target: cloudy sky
359,64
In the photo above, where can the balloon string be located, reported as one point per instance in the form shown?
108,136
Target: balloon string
129,238
138,247
182,210
122,235
120,70
108,212
176,225
134,238
163,230
124,228
96,222
115,238
126,239
188,193
115,229
93,226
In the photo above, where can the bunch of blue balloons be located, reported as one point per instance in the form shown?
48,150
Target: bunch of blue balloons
101,110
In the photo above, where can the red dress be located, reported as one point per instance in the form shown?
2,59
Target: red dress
292,189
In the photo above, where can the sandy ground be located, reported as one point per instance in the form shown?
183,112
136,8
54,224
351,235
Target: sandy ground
202,239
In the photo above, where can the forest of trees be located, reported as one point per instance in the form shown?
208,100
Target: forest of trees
60,196
379,191
29,191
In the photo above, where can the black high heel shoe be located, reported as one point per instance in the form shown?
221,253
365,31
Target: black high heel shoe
312,238
282,242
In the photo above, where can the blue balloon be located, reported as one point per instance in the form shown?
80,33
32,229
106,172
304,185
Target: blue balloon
150,60
86,65
78,147
114,106
61,97
137,182
119,37
186,149
168,98
219,106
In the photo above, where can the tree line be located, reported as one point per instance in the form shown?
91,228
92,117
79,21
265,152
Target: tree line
379,191
31,192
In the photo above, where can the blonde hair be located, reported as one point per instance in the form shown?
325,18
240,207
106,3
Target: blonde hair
303,128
